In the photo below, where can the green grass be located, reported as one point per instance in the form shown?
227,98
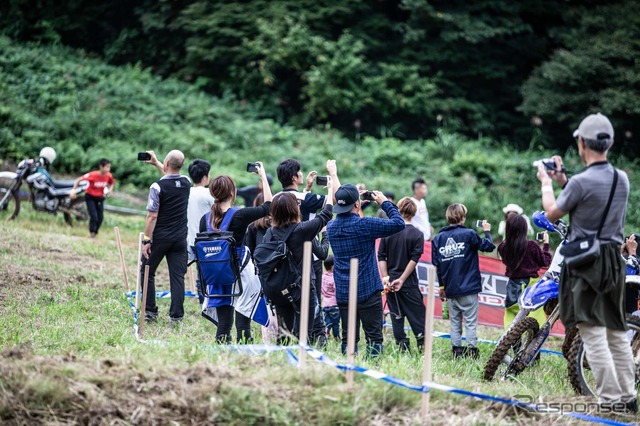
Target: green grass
67,346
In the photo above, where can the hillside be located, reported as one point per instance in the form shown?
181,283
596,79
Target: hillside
86,110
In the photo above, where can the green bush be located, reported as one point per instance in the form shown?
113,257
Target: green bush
87,110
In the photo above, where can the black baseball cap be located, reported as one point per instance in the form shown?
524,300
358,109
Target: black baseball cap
346,197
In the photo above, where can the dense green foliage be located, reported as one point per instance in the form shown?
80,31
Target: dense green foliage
87,110
498,68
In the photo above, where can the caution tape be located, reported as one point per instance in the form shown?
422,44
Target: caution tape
427,386
164,294
493,342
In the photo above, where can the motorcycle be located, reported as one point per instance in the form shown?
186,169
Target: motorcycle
520,345
45,193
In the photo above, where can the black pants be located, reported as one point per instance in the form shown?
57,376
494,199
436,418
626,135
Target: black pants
317,271
176,254
225,323
411,307
95,207
369,314
289,320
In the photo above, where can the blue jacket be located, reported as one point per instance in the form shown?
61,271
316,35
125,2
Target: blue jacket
454,252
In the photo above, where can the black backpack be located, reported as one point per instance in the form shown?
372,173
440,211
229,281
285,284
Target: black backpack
278,270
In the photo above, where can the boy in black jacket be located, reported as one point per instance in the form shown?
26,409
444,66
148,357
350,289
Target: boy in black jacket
455,255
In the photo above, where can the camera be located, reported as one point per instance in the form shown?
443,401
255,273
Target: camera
252,167
368,196
548,163
540,236
144,156
479,223
322,180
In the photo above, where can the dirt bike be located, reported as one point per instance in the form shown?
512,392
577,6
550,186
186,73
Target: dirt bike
580,376
520,345
45,193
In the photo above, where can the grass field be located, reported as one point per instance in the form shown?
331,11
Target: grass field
68,354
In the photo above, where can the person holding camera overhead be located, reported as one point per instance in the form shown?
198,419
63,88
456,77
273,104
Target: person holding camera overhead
523,259
352,237
592,281
454,252
223,190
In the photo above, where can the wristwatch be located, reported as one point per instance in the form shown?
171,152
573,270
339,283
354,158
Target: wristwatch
145,242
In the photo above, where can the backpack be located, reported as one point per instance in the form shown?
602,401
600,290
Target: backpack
217,257
278,270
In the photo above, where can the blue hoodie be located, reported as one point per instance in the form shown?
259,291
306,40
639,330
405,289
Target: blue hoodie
454,252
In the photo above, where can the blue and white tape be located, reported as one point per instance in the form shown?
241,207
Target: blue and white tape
165,294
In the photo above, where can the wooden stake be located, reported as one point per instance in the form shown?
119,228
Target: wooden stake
304,302
353,306
143,311
138,265
428,340
122,263
193,285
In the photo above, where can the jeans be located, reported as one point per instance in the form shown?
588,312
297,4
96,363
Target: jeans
332,320
289,320
369,314
463,307
176,254
609,355
411,307
95,207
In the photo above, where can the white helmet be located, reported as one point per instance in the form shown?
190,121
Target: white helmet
48,153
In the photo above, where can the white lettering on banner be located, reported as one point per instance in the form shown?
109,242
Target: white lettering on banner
494,286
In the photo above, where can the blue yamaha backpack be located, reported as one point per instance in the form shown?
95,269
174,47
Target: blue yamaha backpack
217,257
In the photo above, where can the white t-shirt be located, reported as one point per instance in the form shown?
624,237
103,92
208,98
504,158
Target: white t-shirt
421,219
200,202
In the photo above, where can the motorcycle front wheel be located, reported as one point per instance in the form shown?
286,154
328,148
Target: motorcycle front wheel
9,200
581,377
505,359
77,210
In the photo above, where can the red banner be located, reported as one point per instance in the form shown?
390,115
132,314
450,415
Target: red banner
494,288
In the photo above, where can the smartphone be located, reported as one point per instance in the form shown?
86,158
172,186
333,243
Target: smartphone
322,180
252,167
540,236
479,223
144,156
368,196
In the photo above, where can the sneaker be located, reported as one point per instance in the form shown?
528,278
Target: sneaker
458,351
151,316
470,352
175,322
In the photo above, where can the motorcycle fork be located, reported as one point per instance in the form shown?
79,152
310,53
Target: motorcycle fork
532,351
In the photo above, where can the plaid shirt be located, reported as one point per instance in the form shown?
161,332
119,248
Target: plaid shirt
353,236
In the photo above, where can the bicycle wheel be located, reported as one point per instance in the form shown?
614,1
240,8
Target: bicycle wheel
77,210
581,377
9,201
505,359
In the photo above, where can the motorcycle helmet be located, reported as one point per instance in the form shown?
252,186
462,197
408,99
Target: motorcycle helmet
48,154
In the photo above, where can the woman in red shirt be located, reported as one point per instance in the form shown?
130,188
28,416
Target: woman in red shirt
100,183
523,259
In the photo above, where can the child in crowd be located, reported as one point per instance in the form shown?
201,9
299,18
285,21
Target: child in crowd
455,255
331,310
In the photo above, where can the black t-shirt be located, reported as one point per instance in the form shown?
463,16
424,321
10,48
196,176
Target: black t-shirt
170,198
241,220
399,249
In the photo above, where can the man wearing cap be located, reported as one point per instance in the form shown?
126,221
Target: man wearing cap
509,210
592,296
351,237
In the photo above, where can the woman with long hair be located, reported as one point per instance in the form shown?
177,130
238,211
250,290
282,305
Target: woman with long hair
285,213
257,229
523,259
223,189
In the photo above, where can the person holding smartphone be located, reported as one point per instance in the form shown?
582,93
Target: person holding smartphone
523,259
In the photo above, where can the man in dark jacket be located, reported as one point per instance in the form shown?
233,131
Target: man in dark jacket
455,255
